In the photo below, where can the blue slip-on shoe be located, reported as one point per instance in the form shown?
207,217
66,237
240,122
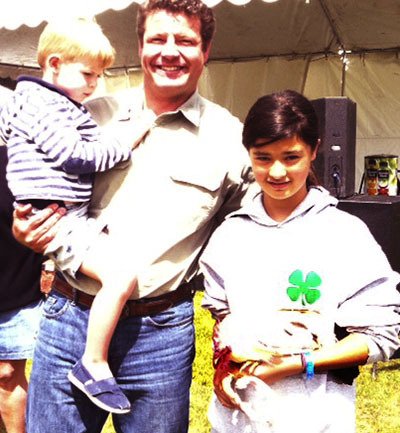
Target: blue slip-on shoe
105,393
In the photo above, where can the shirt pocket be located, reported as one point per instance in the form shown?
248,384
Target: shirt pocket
206,181
198,193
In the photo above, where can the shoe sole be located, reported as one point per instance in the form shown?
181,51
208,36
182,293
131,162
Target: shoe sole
95,400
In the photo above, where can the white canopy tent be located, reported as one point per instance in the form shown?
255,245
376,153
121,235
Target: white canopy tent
322,48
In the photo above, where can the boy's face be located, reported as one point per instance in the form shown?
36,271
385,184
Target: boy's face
171,55
77,79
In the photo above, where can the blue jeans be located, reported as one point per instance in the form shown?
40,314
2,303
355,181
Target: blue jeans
151,358
18,330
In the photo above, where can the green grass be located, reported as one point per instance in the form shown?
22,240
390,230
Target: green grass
202,370
378,396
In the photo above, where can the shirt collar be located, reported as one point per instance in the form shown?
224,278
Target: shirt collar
191,109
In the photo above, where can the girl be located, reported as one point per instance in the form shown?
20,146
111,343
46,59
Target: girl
299,289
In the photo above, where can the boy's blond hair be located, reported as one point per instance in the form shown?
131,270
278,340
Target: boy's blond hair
75,40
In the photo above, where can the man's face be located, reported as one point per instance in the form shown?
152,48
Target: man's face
171,55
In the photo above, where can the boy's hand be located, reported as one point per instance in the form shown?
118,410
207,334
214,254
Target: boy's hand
141,128
36,231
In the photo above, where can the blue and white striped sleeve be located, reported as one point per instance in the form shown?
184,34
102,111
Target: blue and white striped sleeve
74,142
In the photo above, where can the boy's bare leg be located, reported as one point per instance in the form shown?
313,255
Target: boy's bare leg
92,374
117,286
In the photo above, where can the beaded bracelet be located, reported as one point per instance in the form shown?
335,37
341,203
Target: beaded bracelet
307,361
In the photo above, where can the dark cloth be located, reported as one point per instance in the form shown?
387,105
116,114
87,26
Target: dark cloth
344,375
41,204
19,266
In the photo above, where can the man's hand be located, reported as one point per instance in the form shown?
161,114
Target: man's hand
36,231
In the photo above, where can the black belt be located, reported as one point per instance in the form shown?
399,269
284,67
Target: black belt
140,307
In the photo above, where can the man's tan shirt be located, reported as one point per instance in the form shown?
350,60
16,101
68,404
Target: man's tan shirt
159,210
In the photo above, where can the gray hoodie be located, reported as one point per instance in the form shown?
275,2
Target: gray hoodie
321,259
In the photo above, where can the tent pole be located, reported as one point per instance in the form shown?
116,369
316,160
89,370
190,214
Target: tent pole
305,74
343,80
331,22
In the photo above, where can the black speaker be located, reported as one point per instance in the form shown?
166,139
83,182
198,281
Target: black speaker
336,160
382,216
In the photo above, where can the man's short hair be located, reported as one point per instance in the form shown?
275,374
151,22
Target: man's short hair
75,40
190,8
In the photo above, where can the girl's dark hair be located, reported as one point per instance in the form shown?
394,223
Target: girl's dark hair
190,8
282,115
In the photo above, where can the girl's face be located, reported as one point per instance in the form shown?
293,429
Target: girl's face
281,169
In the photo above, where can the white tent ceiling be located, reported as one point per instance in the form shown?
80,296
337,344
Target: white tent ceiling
257,29
258,48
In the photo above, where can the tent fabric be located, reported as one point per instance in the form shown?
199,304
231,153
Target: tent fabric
31,14
257,29
263,47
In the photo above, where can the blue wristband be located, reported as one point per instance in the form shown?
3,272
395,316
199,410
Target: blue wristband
307,361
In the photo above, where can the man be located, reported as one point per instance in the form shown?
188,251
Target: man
188,172
20,299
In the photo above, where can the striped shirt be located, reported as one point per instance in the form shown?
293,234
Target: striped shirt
54,145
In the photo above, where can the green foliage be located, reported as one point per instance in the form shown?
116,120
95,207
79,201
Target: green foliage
378,398
203,370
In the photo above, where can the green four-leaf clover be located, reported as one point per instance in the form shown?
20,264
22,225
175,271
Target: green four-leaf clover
304,289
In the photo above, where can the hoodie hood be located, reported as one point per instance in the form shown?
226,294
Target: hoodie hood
317,199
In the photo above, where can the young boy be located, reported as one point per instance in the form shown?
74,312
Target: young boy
54,148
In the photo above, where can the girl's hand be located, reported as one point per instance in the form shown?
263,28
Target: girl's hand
225,373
